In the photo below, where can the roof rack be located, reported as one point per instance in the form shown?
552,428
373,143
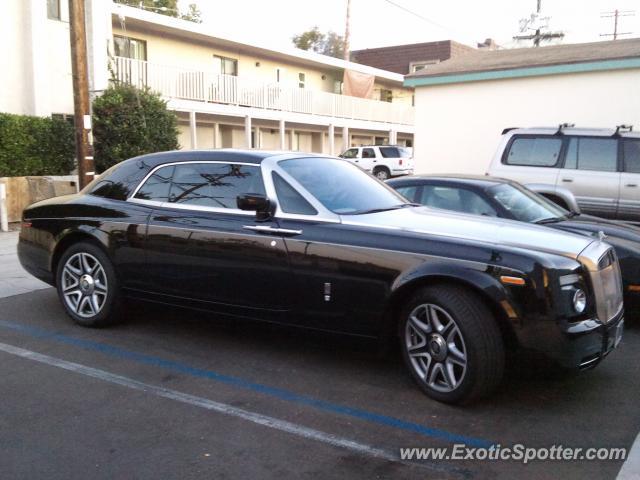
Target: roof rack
562,126
628,128
383,145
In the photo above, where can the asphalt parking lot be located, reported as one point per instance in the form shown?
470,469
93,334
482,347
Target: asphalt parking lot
176,394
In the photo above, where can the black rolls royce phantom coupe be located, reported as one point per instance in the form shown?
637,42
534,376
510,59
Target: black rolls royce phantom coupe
315,242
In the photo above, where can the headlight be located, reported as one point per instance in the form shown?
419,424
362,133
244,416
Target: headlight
579,300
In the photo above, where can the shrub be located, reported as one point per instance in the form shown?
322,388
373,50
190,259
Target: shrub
35,146
128,122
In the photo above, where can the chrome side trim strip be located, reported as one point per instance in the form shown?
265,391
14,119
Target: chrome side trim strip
276,230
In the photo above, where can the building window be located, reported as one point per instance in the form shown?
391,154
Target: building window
386,95
225,65
280,74
337,87
302,78
53,9
129,47
417,66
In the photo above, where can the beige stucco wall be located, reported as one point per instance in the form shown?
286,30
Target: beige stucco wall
36,65
198,56
458,126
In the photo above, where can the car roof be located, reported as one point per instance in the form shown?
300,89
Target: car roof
371,146
482,181
593,132
223,154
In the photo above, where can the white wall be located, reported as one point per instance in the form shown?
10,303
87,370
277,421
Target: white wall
458,126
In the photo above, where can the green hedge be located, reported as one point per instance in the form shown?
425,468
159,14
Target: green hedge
128,122
35,146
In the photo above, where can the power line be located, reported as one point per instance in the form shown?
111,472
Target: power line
416,14
615,15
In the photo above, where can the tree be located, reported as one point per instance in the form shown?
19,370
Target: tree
330,43
193,14
128,122
166,7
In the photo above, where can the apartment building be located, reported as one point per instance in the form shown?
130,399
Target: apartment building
225,91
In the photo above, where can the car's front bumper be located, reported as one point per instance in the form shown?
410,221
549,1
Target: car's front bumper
584,344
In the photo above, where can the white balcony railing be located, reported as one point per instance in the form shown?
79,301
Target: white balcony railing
180,83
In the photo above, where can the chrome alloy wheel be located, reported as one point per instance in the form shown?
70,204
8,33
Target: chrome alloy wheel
84,285
435,347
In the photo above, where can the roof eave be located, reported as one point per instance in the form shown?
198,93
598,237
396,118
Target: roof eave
537,71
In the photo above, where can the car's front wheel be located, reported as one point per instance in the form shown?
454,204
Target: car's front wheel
87,286
451,344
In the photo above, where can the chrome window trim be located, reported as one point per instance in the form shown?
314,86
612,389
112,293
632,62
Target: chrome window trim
196,208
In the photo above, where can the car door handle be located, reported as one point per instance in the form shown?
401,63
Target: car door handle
631,185
272,230
567,180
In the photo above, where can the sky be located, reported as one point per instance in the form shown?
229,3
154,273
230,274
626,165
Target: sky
376,23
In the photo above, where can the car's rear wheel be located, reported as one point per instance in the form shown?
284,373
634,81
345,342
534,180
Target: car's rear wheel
87,286
451,344
381,173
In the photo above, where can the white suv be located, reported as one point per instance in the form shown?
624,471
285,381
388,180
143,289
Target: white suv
383,161
601,167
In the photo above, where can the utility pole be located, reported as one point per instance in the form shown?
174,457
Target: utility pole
346,32
615,15
82,117
535,23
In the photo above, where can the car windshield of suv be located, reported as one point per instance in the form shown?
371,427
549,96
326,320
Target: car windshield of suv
526,206
341,187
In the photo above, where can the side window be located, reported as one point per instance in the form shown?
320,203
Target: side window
457,199
389,152
599,154
631,155
214,184
408,192
289,199
368,153
157,185
534,152
351,153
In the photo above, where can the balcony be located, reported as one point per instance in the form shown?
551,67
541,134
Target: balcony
179,83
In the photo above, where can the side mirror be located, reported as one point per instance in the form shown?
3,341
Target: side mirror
256,202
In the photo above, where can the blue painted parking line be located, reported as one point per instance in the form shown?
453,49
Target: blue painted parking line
275,392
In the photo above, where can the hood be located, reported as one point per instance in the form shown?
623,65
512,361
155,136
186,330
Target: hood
589,225
425,220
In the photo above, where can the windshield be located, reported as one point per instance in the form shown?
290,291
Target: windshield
342,187
525,205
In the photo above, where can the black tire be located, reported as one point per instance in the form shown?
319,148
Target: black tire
104,286
478,337
382,173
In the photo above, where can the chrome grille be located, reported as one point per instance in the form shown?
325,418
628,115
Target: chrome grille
604,270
